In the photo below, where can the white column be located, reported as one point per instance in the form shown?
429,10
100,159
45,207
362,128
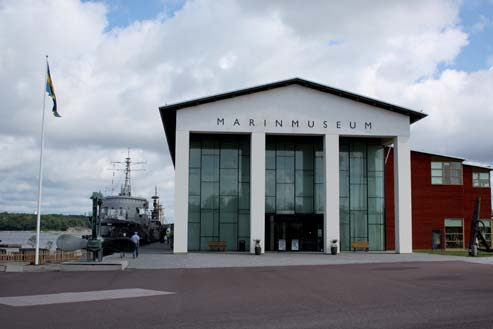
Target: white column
331,214
402,195
257,190
182,151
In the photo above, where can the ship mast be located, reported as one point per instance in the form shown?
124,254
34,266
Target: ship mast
126,189
156,205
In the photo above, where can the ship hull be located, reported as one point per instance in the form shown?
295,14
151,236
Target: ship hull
114,228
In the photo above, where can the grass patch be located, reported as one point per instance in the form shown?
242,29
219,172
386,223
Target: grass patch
452,252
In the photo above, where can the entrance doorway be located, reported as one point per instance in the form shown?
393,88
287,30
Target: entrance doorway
294,232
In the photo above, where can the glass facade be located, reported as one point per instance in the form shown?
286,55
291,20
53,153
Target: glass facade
219,191
294,175
294,193
361,179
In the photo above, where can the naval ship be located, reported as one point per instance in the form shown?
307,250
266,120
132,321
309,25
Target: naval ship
123,214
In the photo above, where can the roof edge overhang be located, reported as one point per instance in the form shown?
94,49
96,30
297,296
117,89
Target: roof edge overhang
438,155
464,162
477,165
169,125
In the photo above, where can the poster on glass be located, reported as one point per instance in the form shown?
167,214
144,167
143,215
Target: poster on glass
281,244
295,245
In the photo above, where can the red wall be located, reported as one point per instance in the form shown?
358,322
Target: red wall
389,202
431,204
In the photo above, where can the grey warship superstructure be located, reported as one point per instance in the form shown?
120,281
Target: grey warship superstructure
123,214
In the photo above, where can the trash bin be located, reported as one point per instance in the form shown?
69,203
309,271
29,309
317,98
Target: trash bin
242,245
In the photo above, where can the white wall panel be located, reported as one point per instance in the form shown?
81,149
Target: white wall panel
181,192
315,113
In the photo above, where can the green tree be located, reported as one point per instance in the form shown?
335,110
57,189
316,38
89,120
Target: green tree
27,222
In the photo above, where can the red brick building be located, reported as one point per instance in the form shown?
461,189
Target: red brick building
444,192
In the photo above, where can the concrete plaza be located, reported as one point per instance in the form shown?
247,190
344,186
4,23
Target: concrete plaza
429,294
158,256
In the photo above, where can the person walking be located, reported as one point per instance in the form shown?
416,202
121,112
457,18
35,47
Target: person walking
135,239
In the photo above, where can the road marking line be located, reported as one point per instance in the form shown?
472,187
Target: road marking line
75,297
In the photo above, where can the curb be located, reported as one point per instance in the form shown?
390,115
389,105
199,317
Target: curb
67,267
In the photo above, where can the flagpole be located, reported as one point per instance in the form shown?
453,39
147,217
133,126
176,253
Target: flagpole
40,185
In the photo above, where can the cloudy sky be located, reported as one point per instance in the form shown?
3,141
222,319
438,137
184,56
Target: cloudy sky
114,63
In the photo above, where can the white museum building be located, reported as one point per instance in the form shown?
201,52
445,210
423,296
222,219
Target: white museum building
294,164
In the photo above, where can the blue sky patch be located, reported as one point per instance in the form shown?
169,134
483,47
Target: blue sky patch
122,13
477,21
335,42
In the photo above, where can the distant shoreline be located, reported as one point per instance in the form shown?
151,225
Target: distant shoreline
49,222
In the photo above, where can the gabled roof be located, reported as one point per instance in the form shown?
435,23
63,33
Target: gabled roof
438,155
477,165
443,157
168,112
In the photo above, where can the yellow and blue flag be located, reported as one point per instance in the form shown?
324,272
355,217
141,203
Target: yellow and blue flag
51,91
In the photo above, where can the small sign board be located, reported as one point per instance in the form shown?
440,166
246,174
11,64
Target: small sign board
295,245
281,244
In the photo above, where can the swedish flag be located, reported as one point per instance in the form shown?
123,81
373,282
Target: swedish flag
51,91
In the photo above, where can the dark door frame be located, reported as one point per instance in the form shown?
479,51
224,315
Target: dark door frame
309,226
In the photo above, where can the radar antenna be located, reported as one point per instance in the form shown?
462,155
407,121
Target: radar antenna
126,189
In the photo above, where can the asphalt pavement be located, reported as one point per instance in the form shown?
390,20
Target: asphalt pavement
388,295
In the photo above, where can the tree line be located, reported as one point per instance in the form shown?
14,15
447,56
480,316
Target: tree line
49,222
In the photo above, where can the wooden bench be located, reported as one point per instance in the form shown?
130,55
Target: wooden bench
359,245
217,245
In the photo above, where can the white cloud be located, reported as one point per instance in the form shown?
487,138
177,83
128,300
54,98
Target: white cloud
110,84
489,61
460,114
227,61
481,24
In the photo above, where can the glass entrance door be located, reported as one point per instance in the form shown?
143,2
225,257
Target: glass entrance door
312,237
294,233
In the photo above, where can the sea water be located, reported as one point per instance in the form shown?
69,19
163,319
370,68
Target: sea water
22,237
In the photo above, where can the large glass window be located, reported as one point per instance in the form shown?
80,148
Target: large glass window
294,176
454,233
446,173
219,191
481,179
361,193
